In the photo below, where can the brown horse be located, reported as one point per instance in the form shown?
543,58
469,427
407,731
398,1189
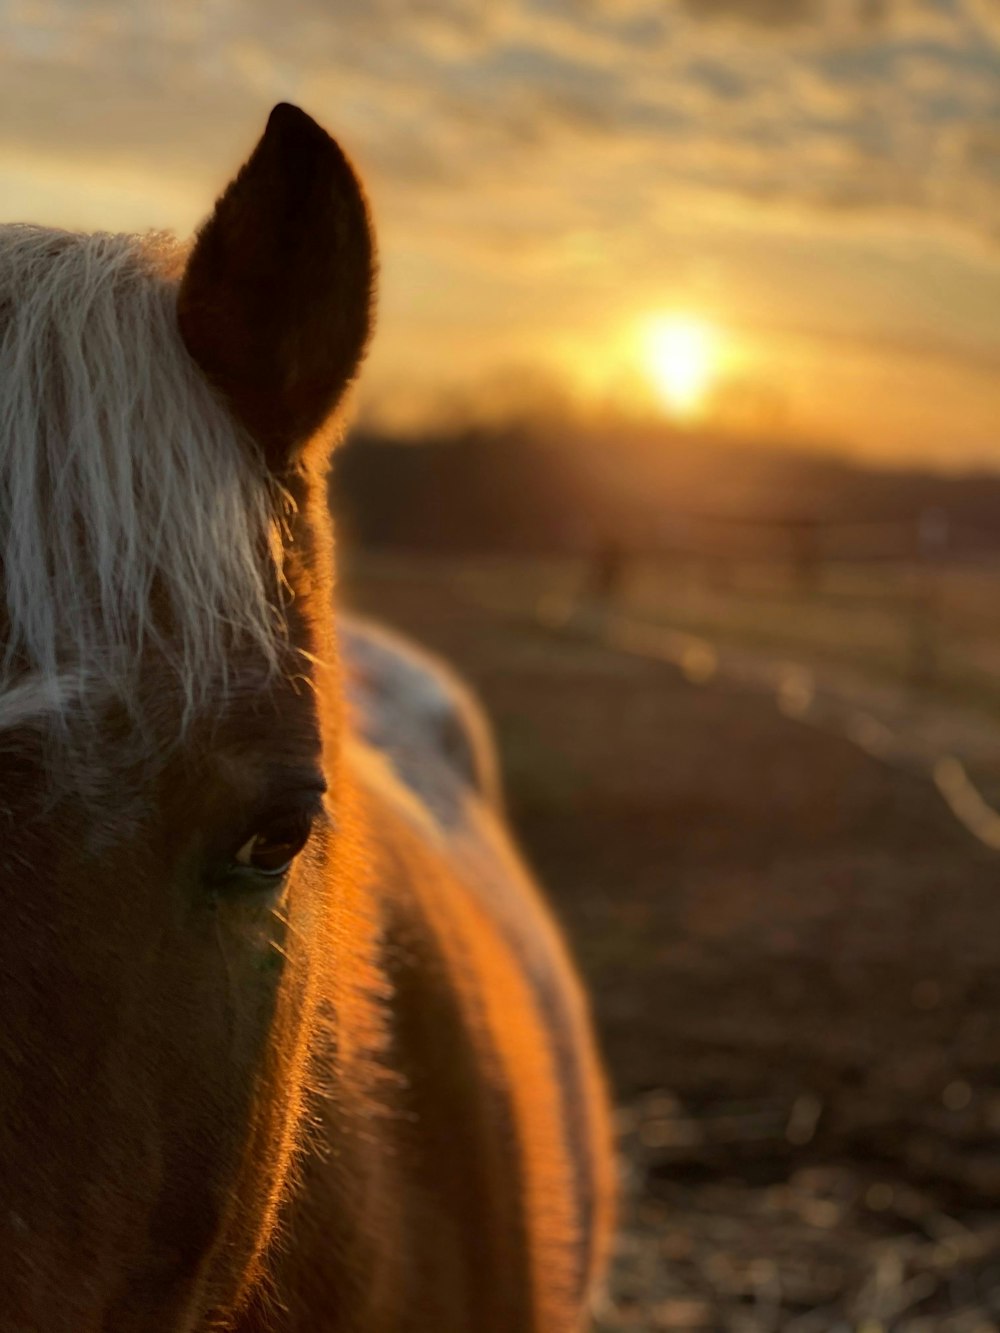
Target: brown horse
288,1040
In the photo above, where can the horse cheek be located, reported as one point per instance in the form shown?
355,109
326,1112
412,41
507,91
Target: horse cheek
253,1033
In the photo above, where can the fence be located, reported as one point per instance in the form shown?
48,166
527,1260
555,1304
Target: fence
895,563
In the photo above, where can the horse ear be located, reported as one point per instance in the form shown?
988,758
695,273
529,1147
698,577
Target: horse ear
275,304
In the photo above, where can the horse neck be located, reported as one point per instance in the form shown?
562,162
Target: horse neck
351,986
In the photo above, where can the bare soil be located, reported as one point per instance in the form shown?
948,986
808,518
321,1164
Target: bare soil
794,957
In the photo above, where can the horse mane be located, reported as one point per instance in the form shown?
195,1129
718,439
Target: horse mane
134,513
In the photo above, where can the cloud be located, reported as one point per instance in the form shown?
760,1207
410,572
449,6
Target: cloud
984,15
766,13
931,22
847,106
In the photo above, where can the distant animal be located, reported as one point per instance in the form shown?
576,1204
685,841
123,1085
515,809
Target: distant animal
288,1039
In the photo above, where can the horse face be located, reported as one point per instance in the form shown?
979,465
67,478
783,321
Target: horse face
157,972
164,893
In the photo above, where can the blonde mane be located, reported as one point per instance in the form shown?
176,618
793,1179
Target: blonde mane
133,514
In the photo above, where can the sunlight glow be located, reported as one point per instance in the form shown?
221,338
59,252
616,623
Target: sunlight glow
681,355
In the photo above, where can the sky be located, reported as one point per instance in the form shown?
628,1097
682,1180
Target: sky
813,186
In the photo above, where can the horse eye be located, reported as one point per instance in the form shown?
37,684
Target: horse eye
274,847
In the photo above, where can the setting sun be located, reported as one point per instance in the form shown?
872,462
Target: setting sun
681,356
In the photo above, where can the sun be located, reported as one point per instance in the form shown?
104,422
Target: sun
681,354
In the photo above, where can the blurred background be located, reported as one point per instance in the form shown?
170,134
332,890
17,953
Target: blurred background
680,437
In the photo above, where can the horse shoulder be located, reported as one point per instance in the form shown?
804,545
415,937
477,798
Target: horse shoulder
493,1038
409,705
481,1168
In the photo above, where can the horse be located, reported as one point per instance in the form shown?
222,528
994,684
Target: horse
289,1039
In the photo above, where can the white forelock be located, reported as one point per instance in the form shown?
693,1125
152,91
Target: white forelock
124,480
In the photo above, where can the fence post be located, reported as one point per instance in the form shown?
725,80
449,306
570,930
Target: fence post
806,563
603,579
931,541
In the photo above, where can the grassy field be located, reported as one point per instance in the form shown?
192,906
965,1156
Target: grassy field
936,627
794,957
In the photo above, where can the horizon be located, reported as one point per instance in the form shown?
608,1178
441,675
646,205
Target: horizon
553,425
777,220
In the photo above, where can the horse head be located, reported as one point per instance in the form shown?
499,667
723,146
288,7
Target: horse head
173,841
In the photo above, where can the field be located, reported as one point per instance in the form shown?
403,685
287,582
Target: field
893,623
793,949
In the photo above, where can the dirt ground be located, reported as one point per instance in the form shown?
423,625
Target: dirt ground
794,958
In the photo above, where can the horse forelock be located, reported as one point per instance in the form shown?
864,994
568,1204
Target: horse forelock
136,519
